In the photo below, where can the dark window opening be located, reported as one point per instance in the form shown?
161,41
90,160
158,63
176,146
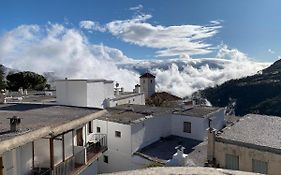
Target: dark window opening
187,127
117,134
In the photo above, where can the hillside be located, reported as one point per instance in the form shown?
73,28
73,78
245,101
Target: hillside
260,93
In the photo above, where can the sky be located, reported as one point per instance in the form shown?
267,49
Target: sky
188,44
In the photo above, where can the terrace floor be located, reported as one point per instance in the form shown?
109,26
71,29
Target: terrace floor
164,149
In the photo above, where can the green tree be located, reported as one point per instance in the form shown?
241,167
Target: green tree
26,80
2,77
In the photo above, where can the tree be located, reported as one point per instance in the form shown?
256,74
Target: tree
2,77
26,80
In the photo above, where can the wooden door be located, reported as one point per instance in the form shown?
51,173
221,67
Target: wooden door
79,137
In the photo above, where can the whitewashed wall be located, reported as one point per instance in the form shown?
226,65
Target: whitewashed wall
138,99
72,93
197,126
96,94
148,131
217,120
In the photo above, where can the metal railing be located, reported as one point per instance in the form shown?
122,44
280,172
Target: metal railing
98,144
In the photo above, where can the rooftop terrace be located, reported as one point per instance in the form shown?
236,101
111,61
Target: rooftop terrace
35,116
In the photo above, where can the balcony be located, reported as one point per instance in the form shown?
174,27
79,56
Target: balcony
82,157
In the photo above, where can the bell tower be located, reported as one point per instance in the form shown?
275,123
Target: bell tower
147,84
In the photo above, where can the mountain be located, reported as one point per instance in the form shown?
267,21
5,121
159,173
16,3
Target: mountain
260,93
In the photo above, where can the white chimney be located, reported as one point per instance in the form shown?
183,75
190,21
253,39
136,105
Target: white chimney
179,158
137,88
117,91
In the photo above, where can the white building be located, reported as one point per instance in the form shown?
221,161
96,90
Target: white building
147,84
94,93
49,139
131,128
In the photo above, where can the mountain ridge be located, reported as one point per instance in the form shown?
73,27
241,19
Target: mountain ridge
259,93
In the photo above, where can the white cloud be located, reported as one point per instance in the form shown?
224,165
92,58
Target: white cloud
68,53
169,40
54,48
136,8
185,76
92,26
271,51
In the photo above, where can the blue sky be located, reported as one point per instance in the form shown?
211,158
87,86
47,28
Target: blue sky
251,26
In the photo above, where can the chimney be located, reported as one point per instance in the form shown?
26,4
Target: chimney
14,123
137,88
211,145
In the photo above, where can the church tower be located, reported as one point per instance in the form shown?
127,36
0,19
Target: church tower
147,84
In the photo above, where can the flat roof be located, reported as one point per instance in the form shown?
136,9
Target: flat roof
130,113
197,111
36,116
254,130
124,95
88,80
164,149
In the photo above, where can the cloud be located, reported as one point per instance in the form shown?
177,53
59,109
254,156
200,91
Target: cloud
185,76
136,8
271,51
92,26
169,40
68,53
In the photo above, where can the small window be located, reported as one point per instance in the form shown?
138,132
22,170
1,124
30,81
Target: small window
259,166
98,129
187,127
150,81
117,134
105,159
129,101
90,128
231,162
133,99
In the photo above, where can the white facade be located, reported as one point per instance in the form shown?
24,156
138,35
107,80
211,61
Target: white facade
84,93
93,93
137,98
140,134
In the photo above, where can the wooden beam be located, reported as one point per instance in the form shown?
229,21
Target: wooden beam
51,153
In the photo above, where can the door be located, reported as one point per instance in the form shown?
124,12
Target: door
79,137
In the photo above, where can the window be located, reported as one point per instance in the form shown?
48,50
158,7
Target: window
90,128
133,99
105,159
187,127
150,81
129,101
231,162
259,166
98,129
117,134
